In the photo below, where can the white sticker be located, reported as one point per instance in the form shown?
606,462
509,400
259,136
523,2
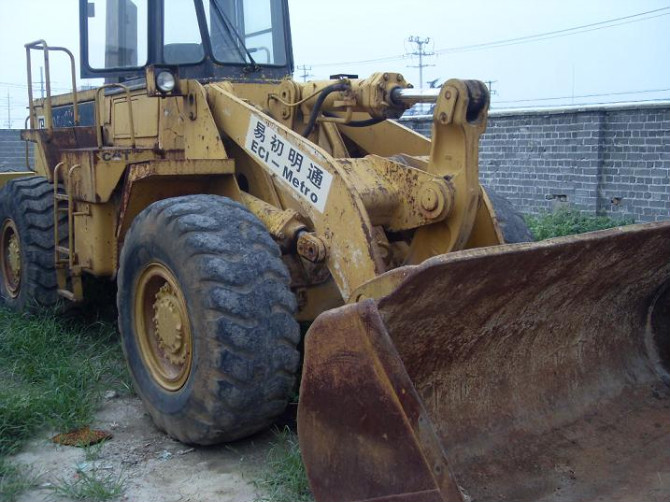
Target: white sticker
294,167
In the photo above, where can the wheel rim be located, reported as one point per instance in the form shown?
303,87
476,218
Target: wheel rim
162,327
10,249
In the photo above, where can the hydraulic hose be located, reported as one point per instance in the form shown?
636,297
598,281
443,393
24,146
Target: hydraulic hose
319,103
358,123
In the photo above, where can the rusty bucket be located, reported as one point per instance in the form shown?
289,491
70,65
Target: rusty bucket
521,372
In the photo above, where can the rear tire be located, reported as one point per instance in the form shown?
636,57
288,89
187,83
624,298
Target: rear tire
206,317
27,271
511,222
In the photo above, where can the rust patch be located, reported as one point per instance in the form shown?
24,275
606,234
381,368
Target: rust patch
82,437
526,369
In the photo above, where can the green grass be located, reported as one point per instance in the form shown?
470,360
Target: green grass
54,372
14,481
284,479
94,486
569,222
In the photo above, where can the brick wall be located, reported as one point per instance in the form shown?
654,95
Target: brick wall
12,151
604,160
608,160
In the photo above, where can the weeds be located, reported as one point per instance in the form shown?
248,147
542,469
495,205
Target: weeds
568,222
13,481
53,372
283,478
93,485
93,451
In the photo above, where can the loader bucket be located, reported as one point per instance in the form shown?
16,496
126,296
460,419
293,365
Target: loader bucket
520,372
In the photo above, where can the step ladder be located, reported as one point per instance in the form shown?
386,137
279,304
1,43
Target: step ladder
68,270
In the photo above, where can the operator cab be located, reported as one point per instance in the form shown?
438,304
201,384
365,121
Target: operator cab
201,39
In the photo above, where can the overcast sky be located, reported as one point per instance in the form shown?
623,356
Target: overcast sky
581,51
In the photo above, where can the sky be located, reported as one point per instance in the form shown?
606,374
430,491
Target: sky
534,53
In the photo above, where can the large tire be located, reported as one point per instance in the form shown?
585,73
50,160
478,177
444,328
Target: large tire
206,317
511,222
28,276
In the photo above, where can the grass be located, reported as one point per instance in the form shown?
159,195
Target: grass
93,451
13,480
283,478
94,486
54,372
568,222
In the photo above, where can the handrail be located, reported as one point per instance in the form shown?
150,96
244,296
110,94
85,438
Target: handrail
48,115
98,125
25,126
56,230
70,215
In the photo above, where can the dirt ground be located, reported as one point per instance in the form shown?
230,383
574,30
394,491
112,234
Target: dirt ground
154,466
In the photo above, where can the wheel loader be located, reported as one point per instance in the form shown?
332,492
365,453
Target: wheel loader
230,203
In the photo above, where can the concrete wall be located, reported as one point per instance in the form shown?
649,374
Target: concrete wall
12,151
605,160
608,160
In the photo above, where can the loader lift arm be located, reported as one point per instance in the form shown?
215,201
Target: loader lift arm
439,199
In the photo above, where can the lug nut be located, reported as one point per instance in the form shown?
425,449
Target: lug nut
311,247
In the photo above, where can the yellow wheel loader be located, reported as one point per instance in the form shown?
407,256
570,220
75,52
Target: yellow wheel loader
230,202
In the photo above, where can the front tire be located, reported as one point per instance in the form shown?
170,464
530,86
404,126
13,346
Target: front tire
512,225
27,261
206,318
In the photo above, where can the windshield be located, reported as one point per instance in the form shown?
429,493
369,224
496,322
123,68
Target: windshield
120,37
246,30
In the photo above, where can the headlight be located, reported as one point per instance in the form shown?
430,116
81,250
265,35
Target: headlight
165,81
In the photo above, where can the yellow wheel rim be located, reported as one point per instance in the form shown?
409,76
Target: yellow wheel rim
162,327
10,251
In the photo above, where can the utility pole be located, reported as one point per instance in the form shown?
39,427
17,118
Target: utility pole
42,81
9,112
421,52
305,69
489,84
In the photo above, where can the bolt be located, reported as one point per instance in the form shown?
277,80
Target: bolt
386,76
443,117
429,200
447,94
311,247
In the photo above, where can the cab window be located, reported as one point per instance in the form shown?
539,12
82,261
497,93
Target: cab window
240,28
117,33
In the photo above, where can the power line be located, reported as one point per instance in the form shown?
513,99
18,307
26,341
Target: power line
364,61
596,95
575,30
625,102
539,37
